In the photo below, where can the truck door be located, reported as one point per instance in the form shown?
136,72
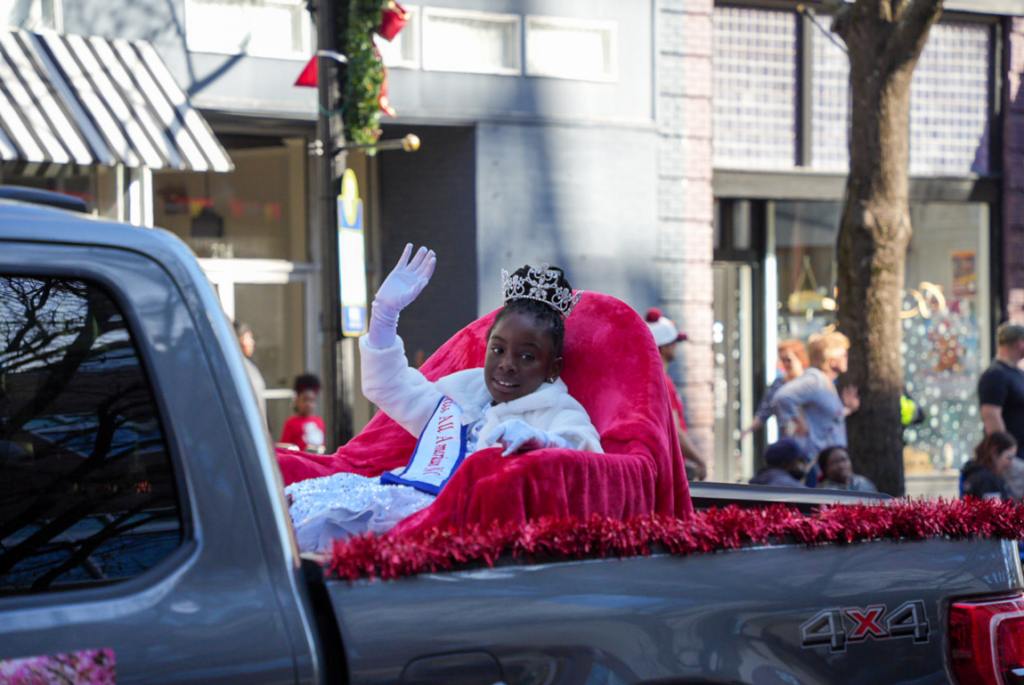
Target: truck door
128,548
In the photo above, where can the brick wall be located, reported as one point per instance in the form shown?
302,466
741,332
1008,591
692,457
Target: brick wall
685,209
1012,252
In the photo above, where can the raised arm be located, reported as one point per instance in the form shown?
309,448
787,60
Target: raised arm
400,391
403,285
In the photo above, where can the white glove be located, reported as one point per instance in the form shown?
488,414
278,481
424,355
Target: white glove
403,285
516,435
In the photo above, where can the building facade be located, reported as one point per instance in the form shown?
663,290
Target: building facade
688,154
781,113
560,131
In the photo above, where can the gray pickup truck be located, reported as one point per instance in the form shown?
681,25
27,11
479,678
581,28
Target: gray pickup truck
144,536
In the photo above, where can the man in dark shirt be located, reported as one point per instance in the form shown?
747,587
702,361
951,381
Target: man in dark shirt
1001,387
785,465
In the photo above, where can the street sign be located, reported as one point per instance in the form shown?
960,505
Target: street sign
351,257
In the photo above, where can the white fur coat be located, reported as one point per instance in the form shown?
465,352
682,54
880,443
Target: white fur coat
404,394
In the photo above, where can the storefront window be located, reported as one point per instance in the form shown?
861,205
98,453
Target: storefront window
96,186
256,211
945,345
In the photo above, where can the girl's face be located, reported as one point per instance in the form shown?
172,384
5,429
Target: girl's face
1001,464
838,467
791,364
305,403
520,356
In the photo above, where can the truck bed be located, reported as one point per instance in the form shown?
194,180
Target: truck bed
756,615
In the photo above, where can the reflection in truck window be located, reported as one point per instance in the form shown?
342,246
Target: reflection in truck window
87,492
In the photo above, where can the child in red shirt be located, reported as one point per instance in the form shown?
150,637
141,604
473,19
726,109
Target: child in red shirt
304,428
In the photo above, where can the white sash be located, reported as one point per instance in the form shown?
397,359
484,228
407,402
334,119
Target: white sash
439,451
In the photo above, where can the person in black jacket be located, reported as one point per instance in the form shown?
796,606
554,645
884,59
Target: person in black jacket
982,477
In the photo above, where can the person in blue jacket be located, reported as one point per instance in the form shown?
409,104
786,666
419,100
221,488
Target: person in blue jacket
785,465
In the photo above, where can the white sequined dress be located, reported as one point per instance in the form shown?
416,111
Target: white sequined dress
345,504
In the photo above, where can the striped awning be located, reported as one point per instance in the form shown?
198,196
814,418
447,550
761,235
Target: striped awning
80,100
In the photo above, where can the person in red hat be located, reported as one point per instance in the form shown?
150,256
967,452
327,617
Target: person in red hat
666,337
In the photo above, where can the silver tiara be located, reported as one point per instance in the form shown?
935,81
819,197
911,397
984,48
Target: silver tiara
541,285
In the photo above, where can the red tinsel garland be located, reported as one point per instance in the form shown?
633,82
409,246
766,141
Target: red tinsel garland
394,556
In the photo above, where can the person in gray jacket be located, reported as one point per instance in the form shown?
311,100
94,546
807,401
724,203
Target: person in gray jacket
809,408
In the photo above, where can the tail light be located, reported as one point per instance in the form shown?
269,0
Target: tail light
986,640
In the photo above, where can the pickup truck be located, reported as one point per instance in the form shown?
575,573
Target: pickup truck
145,538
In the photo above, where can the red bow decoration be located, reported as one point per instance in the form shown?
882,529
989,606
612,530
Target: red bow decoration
393,19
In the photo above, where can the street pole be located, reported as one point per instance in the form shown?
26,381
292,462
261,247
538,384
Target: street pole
330,134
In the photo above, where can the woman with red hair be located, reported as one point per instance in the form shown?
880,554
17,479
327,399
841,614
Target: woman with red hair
792,362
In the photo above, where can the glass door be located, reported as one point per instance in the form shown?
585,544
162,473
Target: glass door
275,299
732,344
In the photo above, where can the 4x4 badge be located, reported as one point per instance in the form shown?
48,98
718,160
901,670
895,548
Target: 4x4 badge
838,627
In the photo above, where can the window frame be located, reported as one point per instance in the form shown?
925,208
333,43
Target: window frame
188,547
515,20
292,55
612,27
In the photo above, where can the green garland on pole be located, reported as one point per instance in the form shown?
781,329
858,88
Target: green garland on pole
364,73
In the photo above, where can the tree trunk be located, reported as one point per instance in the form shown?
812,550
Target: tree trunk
884,39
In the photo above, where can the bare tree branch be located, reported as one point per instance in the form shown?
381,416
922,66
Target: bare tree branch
874,8
93,542
911,32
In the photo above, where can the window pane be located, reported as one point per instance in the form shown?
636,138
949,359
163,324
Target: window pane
570,48
830,106
256,211
949,103
805,245
755,56
87,493
478,42
944,342
271,28
96,186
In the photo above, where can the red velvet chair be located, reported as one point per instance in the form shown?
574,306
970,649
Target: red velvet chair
612,367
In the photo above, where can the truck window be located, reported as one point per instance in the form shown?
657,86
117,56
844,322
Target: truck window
87,491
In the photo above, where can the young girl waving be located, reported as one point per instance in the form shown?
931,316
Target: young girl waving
516,401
